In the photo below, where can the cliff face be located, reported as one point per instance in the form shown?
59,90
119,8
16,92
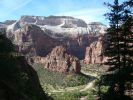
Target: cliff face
59,26
94,53
59,60
31,40
77,46
38,36
53,21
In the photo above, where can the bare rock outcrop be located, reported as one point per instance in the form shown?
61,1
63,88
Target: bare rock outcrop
31,40
58,60
94,53
53,21
38,36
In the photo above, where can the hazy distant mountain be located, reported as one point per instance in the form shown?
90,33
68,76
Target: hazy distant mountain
9,22
60,26
6,23
2,25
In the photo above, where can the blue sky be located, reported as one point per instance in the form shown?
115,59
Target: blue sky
88,10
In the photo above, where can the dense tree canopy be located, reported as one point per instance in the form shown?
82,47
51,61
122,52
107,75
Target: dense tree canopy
119,50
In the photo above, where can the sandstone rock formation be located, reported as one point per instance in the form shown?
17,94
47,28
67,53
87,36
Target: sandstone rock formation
36,36
63,26
97,28
32,41
94,53
53,20
59,60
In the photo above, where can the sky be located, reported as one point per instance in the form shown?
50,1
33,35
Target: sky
88,10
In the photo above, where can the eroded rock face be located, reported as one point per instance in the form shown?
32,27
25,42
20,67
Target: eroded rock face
58,60
60,26
31,40
94,53
53,21
77,46
37,36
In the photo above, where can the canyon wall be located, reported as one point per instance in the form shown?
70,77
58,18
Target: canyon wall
59,42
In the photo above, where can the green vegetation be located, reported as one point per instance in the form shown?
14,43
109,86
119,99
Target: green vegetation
67,86
91,96
74,95
113,85
60,79
94,69
69,95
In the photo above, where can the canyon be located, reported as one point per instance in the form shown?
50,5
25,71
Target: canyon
58,42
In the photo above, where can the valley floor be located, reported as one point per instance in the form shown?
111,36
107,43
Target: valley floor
79,92
85,89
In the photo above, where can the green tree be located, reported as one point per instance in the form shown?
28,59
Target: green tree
119,50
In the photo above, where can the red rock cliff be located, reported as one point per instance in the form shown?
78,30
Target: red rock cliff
58,60
94,53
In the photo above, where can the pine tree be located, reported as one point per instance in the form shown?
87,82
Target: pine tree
113,50
119,50
126,45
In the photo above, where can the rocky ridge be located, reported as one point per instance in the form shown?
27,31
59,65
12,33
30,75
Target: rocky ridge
94,53
59,25
59,60
45,37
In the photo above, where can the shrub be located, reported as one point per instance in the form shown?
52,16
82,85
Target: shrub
60,79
